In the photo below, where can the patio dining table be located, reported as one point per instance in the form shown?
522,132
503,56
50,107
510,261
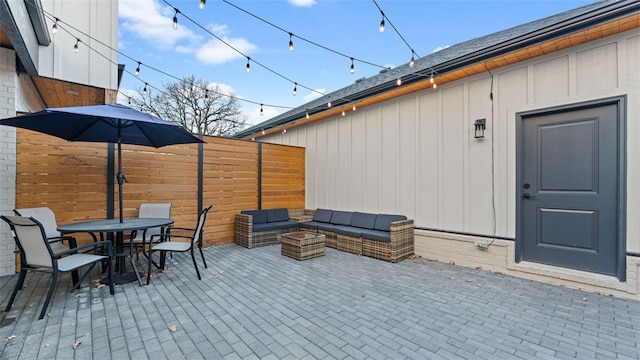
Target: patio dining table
117,227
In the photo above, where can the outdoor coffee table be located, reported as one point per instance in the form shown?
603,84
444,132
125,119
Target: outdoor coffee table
302,245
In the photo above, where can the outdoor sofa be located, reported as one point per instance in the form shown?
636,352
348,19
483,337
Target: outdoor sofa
262,227
382,236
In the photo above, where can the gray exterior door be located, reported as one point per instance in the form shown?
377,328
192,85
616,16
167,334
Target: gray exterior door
568,189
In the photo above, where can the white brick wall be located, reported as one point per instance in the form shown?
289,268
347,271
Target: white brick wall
7,158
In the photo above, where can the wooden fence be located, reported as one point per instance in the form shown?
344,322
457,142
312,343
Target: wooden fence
76,179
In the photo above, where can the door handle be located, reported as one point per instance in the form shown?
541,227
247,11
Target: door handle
528,196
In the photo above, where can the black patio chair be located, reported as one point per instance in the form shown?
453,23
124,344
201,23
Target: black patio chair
36,254
166,245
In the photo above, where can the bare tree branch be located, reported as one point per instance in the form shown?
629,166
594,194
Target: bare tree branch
189,104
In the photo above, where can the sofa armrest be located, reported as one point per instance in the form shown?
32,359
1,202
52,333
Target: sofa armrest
402,231
244,229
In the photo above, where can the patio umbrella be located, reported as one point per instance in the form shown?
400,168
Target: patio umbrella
110,123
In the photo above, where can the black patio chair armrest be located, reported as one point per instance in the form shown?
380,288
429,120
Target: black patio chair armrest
93,245
169,236
181,228
70,239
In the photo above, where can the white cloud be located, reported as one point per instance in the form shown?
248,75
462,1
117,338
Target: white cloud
215,52
153,23
314,95
440,48
302,3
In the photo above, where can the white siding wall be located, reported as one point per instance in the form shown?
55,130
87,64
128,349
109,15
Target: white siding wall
417,155
7,158
97,19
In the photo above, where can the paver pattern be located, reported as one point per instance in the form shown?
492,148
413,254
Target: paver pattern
257,304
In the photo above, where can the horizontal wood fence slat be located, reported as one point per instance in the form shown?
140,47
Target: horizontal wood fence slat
71,179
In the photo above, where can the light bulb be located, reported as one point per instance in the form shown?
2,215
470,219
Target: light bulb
75,47
290,42
175,20
382,22
202,3
248,65
306,114
412,63
435,85
262,131
54,28
431,79
284,130
399,81
329,104
144,91
354,107
353,68
206,94
138,69
343,113
261,110
295,89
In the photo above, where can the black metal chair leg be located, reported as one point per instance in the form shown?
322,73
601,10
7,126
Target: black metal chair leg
19,285
202,254
52,288
195,264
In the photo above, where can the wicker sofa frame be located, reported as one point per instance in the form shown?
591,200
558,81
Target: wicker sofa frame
359,241
246,235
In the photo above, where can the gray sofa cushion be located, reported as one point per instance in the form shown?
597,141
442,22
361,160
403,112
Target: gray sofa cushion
383,221
349,231
341,218
259,216
322,215
274,226
377,235
327,227
363,220
312,225
275,215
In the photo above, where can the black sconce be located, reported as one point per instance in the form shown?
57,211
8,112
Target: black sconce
480,125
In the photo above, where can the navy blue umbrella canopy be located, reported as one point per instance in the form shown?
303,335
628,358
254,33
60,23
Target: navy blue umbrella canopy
111,123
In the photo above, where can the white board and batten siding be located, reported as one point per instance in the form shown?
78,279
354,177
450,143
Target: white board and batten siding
416,155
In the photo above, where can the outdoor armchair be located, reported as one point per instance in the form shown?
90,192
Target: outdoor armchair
47,218
148,210
188,239
36,254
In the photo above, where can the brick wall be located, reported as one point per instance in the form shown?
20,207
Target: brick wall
7,157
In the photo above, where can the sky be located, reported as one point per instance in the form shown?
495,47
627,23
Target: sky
213,43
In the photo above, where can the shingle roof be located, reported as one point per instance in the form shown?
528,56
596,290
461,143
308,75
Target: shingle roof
459,55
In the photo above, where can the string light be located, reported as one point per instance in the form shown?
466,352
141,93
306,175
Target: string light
353,68
206,94
329,104
248,65
354,107
75,47
202,4
343,113
129,100
399,81
412,62
290,41
284,130
295,89
432,80
306,114
262,131
382,22
261,110
54,28
175,18
435,85
144,91
137,72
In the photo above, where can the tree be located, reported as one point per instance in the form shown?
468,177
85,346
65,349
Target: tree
199,107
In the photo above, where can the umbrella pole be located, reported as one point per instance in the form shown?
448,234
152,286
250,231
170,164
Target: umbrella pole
121,178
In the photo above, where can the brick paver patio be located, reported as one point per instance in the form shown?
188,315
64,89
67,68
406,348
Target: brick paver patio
257,304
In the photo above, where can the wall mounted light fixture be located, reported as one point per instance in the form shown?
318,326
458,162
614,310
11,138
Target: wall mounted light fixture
480,125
